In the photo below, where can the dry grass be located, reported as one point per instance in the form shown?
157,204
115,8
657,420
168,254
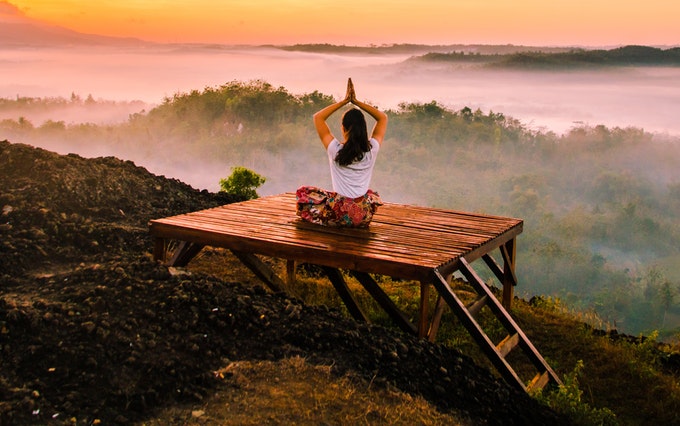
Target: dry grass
291,391
624,377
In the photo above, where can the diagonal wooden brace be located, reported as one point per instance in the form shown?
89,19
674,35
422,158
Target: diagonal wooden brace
385,302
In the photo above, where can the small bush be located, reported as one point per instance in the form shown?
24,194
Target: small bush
567,400
242,182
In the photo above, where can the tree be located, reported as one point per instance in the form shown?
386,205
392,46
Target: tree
667,295
242,182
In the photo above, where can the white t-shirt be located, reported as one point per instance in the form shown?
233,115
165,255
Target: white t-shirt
352,180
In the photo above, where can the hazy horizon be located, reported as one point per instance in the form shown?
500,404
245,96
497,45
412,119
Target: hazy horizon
644,97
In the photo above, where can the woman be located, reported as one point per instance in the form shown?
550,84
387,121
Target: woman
351,203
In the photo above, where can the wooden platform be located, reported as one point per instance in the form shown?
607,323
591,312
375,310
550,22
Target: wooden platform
403,241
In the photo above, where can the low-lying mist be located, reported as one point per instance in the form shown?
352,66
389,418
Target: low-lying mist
645,97
600,202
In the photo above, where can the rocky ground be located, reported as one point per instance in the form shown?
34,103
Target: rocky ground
92,330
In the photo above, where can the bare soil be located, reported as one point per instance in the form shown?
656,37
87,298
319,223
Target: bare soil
94,331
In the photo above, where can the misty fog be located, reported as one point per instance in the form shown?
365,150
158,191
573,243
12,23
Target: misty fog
646,97
600,203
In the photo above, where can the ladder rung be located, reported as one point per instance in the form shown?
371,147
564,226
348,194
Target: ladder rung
539,381
507,344
477,305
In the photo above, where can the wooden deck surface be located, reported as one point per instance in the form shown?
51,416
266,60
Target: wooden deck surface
402,241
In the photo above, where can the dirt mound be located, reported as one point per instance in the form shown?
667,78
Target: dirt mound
92,328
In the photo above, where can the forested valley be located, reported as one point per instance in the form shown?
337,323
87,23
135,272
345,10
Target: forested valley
600,205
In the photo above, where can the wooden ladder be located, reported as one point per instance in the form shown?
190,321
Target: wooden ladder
497,353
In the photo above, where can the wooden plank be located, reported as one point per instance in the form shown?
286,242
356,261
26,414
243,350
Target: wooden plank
539,381
405,241
369,241
379,263
266,237
383,233
433,256
508,344
477,305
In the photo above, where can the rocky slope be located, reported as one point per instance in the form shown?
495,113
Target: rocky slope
92,329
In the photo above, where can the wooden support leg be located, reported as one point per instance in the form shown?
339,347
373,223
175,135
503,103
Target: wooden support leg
290,272
436,319
184,253
261,270
345,294
385,302
423,322
509,252
160,248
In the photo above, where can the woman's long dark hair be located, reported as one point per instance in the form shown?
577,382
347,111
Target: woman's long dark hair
356,133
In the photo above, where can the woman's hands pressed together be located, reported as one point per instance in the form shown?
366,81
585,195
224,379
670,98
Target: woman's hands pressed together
351,95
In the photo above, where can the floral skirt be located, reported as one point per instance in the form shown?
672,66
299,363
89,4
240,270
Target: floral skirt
323,207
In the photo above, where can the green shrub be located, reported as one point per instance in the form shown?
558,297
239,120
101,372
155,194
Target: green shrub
242,182
567,400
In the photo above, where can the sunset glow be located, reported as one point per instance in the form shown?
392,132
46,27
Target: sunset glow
529,22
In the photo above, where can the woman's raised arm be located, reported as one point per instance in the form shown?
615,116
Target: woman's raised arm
321,116
380,117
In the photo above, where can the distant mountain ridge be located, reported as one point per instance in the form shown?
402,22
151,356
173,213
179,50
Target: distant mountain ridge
575,58
18,30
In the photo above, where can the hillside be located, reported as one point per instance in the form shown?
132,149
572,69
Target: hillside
539,59
92,329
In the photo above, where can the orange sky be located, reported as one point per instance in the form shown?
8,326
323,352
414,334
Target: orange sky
363,22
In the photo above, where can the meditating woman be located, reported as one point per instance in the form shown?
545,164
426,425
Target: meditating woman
351,203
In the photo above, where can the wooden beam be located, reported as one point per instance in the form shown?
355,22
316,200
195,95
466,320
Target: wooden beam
423,322
493,266
436,318
508,322
261,270
184,253
160,249
539,381
345,294
398,316
290,272
477,305
509,252
507,344
506,371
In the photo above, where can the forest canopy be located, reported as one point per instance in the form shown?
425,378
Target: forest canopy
574,58
600,205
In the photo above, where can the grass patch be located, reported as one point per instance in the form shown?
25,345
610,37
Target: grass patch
291,391
602,376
